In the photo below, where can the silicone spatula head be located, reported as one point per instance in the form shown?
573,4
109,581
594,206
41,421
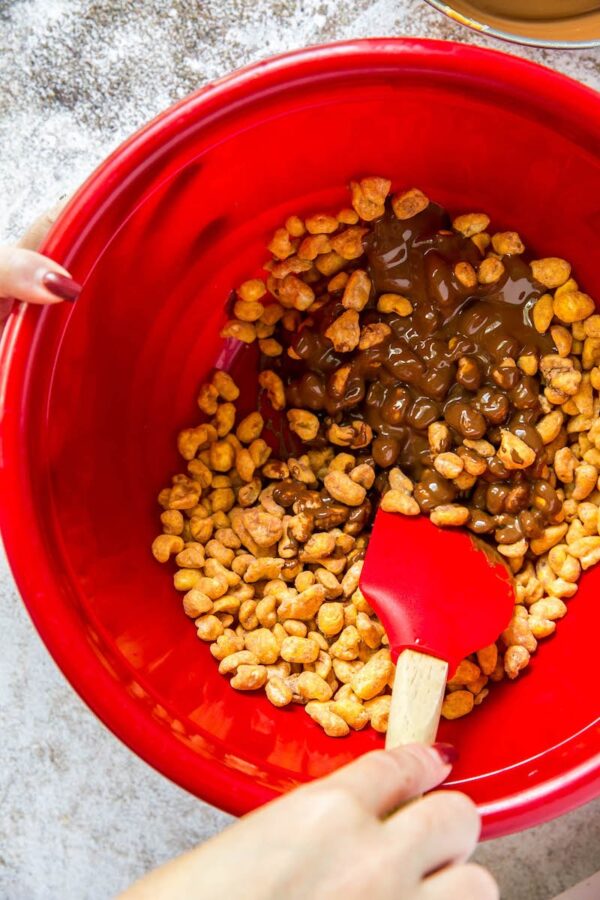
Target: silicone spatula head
435,590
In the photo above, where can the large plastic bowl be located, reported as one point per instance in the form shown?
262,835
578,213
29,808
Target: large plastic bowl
93,394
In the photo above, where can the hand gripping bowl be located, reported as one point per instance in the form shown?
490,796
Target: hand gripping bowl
93,394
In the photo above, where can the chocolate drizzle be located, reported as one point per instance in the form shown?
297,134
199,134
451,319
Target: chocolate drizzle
413,378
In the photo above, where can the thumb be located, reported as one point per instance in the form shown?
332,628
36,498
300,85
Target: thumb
29,276
38,230
384,779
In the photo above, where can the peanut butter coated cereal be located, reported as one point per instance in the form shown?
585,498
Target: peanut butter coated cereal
407,359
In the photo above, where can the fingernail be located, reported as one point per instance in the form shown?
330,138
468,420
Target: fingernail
61,286
446,752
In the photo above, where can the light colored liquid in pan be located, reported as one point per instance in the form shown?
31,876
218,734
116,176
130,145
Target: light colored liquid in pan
543,20
537,9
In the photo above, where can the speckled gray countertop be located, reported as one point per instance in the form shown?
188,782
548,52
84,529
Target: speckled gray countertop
80,815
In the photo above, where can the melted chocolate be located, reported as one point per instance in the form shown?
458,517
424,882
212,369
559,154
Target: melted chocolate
413,378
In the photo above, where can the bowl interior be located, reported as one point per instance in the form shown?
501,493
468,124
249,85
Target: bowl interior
184,219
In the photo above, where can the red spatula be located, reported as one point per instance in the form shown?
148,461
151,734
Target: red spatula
440,596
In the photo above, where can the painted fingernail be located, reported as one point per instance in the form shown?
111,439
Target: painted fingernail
446,752
61,286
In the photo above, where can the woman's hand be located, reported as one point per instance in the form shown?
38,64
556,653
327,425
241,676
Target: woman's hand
340,838
27,275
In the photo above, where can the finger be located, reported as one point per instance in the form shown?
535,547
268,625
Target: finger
33,278
381,780
38,230
6,306
470,882
438,830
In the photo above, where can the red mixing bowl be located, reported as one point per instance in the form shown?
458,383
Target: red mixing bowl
93,394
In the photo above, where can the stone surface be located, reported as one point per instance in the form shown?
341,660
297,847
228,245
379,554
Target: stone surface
81,816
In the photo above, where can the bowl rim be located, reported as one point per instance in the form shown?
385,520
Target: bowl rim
207,777
513,37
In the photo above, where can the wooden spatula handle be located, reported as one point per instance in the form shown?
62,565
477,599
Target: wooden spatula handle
416,699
